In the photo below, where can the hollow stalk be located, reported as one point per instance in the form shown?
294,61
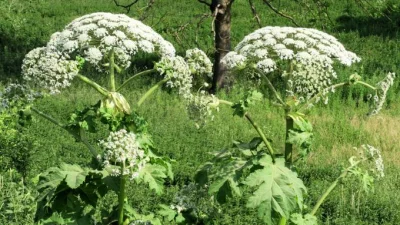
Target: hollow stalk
289,122
112,71
93,84
151,90
122,195
134,76
332,186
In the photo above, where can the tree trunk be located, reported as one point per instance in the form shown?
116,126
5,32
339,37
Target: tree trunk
222,25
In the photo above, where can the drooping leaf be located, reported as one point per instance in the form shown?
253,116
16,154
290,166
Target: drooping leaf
154,176
278,190
227,175
225,171
302,135
241,107
74,175
308,219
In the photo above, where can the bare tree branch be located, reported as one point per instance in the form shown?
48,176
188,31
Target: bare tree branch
127,6
146,10
181,28
280,13
255,14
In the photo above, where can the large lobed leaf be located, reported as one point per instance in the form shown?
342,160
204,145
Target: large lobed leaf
308,219
278,190
153,175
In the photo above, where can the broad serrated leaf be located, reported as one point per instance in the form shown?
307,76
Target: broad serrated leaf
299,138
154,176
74,175
226,174
308,219
278,190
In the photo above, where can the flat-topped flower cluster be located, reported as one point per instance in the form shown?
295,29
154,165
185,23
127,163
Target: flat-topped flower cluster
309,52
121,147
93,37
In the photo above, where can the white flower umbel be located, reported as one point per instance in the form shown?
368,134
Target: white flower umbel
177,72
94,36
374,155
48,69
198,62
201,106
233,60
311,53
121,147
381,92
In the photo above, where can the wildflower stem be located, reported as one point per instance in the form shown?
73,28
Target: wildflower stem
151,90
272,88
121,196
282,221
225,102
47,117
134,76
112,71
288,146
313,99
262,135
96,86
366,85
257,128
332,186
80,136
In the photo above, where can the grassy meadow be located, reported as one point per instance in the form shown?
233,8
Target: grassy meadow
339,126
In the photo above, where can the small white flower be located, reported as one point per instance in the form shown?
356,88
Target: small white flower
198,62
178,72
232,60
48,69
121,147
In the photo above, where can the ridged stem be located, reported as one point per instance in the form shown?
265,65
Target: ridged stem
151,90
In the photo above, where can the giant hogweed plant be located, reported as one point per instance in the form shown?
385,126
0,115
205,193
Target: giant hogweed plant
297,66
108,43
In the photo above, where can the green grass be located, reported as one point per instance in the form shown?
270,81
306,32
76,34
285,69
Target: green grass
339,126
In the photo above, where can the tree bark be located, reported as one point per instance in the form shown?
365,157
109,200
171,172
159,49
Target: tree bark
221,10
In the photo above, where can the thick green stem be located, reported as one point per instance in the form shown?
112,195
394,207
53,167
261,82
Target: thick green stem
366,85
112,71
83,139
79,136
282,221
257,128
262,135
272,88
47,117
331,187
134,76
288,146
151,90
121,196
225,102
96,86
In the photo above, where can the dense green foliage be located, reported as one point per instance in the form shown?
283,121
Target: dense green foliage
25,25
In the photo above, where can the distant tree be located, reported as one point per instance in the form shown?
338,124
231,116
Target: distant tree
221,12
